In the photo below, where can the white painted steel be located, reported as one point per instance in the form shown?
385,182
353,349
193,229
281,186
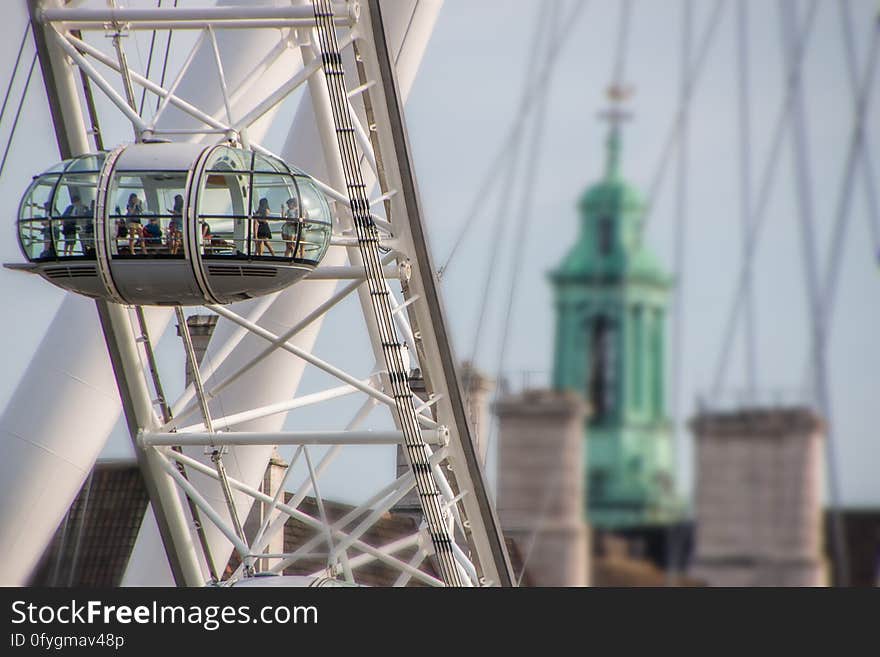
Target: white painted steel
66,403
277,377
293,512
324,273
240,15
274,379
62,411
224,423
431,436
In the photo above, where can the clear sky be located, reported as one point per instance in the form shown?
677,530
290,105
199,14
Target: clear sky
462,106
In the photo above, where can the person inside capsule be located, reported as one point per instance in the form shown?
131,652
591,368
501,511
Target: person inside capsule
152,235
87,232
174,225
263,232
50,235
70,223
292,229
133,212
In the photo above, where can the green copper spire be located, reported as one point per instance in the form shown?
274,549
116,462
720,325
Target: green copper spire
611,297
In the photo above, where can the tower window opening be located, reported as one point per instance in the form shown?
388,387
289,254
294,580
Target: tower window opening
601,379
606,235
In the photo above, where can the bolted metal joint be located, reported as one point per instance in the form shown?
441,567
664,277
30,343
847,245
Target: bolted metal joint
404,270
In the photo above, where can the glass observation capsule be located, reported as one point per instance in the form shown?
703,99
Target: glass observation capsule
173,223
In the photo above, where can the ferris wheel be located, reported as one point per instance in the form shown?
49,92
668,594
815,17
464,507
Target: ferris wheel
193,209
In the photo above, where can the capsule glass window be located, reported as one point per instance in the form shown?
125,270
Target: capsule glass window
254,206
146,214
56,216
34,220
316,223
224,203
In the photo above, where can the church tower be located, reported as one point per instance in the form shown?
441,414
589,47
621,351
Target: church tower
611,298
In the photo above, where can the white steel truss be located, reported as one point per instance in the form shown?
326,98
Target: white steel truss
165,435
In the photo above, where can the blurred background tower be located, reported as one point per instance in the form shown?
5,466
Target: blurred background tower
759,498
611,299
540,484
477,389
272,480
201,328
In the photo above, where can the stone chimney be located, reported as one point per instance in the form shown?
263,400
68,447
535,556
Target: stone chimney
201,328
758,512
541,499
477,389
271,482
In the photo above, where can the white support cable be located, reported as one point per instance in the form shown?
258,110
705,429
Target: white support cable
140,349
400,307
371,518
623,25
232,420
868,171
149,66
330,438
87,26
416,561
466,565
352,273
318,312
279,493
293,83
745,176
384,499
360,88
294,513
175,100
402,321
343,200
216,454
18,110
317,362
532,91
431,401
762,198
525,206
705,45
857,154
356,421
449,497
804,199
213,361
359,417
363,139
224,90
204,506
165,58
124,68
387,196
27,30
391,548
542,69
382,324
121,103
245,87
680,262
245,16
333,556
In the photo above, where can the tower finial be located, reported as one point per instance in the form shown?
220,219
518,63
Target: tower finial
615,115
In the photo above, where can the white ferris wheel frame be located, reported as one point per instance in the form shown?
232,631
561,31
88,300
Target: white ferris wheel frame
478,545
